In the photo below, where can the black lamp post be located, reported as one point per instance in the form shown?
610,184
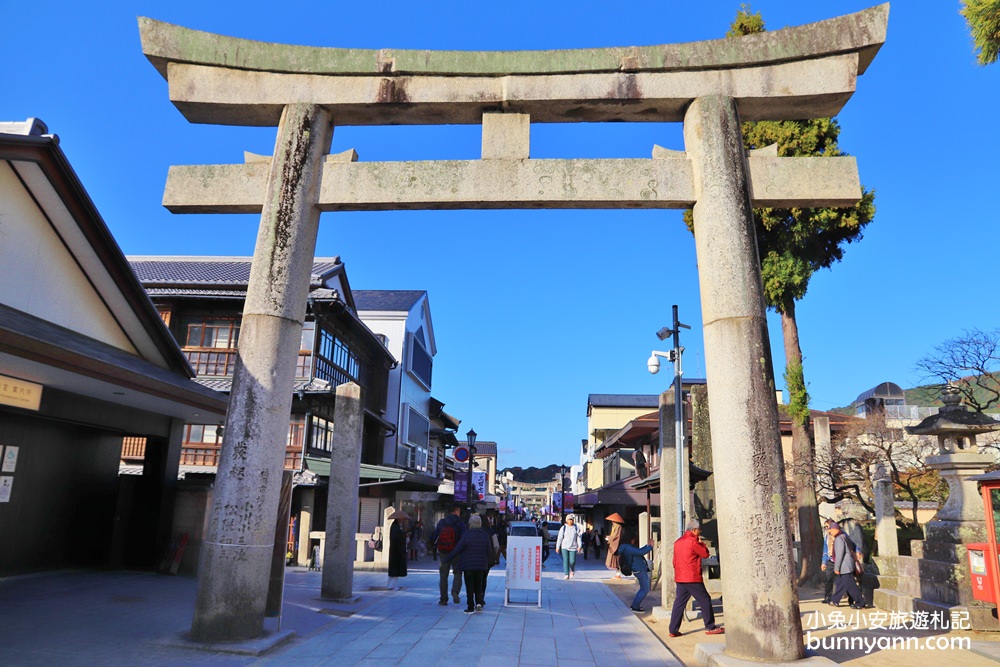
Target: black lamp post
471,437
562,494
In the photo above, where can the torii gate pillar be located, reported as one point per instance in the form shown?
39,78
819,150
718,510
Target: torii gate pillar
762,605
236,554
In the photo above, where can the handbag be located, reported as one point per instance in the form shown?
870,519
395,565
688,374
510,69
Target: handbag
375,541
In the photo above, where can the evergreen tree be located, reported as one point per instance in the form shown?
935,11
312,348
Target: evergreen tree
793,244
983,17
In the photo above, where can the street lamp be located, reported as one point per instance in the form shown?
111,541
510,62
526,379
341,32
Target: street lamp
562,494
471,437
653,364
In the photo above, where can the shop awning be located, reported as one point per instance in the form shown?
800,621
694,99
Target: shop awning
618,493
369,474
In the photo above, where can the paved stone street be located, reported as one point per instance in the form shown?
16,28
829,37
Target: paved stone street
128,618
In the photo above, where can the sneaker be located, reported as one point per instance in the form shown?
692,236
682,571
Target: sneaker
572,574
637,609
716,631
566,577
470,611
454,596
443,603
479,607
674,634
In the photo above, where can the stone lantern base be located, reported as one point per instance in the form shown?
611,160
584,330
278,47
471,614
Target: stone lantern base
935,577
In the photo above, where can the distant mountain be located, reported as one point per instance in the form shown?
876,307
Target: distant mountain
534,475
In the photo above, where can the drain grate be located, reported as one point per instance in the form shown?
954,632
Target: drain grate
337,612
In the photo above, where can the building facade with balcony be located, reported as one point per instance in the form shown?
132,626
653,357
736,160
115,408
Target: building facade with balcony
200,299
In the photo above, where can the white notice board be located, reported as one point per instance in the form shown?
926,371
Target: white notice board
524,566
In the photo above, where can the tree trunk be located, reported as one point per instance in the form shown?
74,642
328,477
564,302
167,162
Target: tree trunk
803,463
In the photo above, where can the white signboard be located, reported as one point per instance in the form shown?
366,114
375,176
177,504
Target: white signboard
6,482
9,458
524,566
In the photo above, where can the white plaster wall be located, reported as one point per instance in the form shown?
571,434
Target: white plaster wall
40,276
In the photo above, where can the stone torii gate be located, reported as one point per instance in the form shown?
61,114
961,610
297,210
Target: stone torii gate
804,72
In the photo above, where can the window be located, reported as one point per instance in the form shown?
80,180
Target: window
210,344
417,437
322,434
201,445
336,362
293,448
420,363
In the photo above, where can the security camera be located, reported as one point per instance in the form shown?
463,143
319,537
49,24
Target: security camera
664,333
653,364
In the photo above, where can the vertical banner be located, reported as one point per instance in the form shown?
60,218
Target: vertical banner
461,488
479,481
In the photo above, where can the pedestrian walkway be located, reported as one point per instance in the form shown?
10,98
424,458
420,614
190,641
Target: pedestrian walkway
123,618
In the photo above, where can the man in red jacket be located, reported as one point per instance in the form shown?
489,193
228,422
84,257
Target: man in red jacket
688,552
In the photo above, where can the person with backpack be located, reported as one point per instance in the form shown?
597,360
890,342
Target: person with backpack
568,542
632,560
688,552
845,555
475,553
447,534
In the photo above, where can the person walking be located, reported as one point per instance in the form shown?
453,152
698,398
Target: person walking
844,557
397,548
636,558
475,549
614,541
416,537
588,540
568,542
445,537
544,530
827,563
688,552
598,541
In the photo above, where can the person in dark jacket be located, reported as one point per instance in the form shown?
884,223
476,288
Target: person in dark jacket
397,548
688,552
455,528
474,553
844,557
636,558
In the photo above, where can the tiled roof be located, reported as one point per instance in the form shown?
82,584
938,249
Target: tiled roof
206,271
226,383
484,447
401,300
624,400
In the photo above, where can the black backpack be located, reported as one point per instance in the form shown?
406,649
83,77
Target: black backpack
624,564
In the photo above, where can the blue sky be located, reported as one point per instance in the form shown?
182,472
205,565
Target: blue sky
534,310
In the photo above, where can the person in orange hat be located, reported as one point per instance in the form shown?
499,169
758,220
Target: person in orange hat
614,541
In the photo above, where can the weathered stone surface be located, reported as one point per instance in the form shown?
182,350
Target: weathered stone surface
506,183
862,32
885,519
506,136
342,494
762,606
788,90
233,580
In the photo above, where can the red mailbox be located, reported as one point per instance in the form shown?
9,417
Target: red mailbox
983,557
980,573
